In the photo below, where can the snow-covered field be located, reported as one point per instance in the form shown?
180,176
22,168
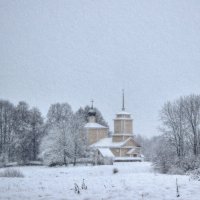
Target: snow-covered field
134,181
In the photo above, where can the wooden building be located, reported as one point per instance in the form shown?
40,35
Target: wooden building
122,145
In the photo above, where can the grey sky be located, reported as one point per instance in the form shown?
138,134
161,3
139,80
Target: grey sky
72,51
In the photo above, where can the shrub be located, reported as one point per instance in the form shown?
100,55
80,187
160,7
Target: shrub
11,173
115,171
195,174
55,164
176,170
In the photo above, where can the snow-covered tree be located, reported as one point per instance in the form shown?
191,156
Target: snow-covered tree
175,125
6,130
181,130
65,140
192,114
58,112
56,146
163,154
79,140
22,130
36,132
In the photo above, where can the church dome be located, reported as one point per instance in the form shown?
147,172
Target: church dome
91,112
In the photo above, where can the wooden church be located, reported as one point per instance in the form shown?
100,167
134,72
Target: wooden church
121,146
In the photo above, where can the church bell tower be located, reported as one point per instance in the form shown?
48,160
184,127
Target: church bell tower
123,124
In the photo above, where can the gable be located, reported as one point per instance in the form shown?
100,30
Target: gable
131,143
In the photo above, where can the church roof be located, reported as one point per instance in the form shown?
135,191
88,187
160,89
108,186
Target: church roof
106,152
108,143
94,125
123,113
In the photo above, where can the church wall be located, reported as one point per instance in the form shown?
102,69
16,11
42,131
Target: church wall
128,126
120,152
123,126
92,137
124,151
116,152
96,134
102,133
117,126
119,138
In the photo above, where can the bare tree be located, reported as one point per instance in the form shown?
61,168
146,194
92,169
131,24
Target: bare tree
174,124
36,132
192,111
181,127
6,129
22,137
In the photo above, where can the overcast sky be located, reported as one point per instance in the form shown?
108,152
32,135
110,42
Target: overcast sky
73,51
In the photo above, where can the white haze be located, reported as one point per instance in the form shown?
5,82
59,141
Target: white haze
72,51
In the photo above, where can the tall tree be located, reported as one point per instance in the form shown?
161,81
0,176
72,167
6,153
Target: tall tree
65,140
99,116
22,129
36,132
6,128
181,128
175,127
192,111
57,145
58,112
79,139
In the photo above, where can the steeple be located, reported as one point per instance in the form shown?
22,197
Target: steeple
91,113
123,124
92,101
123,108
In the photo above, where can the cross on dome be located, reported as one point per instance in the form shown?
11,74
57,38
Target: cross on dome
92,101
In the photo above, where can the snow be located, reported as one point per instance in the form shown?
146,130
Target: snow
107,142
135,180
106,152
94,125
123,113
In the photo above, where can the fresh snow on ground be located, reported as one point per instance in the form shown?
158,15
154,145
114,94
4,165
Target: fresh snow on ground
134,181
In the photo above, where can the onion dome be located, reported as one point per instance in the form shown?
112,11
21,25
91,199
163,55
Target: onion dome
91,111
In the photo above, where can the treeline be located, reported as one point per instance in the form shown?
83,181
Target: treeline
177,149
26,136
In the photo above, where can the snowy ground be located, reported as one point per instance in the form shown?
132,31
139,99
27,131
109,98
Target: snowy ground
134,181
